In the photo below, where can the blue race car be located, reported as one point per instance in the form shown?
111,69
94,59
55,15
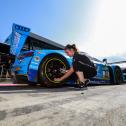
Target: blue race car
39,60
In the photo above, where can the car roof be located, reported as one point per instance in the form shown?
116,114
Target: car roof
42,39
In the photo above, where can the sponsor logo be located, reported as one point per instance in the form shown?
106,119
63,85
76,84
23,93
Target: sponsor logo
37,58
34,63
17,37
22,28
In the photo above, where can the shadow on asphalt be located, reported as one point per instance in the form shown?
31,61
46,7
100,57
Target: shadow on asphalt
39,89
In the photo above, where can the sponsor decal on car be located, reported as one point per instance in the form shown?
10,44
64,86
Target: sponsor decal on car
37,58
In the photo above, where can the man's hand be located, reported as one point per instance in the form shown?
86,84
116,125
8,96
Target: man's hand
57,79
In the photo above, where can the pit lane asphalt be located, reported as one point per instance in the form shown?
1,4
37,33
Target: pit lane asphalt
102,105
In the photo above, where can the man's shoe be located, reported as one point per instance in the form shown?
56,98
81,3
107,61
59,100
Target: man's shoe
87,82
81,85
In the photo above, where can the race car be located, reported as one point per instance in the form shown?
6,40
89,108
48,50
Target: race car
39,60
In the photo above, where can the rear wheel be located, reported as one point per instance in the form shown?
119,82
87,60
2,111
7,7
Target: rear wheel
118,76
52,67
111,75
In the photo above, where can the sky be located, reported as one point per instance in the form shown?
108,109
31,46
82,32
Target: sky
97,27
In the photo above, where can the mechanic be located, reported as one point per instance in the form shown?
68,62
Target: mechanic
82,66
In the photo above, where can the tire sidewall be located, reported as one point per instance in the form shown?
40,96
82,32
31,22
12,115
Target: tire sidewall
42,72
118,80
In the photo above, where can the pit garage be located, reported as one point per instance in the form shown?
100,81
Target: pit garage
6,60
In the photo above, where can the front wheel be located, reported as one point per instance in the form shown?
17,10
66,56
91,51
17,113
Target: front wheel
52,67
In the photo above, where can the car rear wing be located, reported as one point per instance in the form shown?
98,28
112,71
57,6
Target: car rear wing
18,38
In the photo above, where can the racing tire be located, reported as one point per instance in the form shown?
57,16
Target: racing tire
52,67
111,75
118,76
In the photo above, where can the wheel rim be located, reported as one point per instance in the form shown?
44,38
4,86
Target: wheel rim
54,69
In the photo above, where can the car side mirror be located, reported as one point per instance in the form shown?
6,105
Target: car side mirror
104,61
